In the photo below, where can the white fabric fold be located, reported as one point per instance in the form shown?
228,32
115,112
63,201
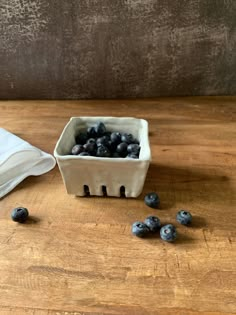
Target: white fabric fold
18,160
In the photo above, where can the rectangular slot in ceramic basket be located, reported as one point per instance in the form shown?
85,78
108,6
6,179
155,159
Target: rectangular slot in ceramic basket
98,173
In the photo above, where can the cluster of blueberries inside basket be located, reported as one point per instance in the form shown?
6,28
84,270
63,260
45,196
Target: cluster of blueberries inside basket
99,142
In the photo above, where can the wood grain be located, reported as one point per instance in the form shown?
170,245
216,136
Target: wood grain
77,255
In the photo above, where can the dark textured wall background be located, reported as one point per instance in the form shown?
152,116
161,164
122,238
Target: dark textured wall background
69,49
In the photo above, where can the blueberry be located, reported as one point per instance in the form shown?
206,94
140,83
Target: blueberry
122,148
115,137
184,217
135,141
19,214
127,137
103,151
81,138
140,229
168,233
100,129
90,146
153,223
133,148
91,132
84,154
104,140
77,149
114,144
152,200
132,156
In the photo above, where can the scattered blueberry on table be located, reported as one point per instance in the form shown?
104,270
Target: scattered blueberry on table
153,223
140,229
168,233
97,141
152,200
19,214
184,217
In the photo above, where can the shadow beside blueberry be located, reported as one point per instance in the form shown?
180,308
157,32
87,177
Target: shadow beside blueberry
182,238
32,220
198,222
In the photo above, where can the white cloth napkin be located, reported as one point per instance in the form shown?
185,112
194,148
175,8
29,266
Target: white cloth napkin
18,160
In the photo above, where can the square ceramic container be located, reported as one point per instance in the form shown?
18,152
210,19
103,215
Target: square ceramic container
82,172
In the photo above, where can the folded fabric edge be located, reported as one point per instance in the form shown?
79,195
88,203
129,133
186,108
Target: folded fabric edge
10,185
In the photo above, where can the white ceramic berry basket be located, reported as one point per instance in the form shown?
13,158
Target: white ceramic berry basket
96,174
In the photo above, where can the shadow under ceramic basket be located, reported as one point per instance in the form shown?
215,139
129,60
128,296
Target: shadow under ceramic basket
98,176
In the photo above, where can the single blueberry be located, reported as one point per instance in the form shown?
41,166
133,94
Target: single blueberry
127,137
77,149
100,129
132,156
91,132
184,217
168,233
115,137
90,146
152,200
153,223
104,140
81,138
133,148
103,151
19,214
140,229
122,149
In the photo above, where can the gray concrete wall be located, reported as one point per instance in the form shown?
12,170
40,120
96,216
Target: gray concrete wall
72,49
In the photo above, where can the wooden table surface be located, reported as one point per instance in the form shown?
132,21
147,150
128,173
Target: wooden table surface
77,255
